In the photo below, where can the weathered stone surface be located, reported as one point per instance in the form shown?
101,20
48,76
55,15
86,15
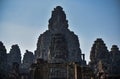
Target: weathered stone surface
105,64
58,24
59,56
43,45
99,51
115,60
28,59
14,74
58,52
3,55
3,61
14,55
99,57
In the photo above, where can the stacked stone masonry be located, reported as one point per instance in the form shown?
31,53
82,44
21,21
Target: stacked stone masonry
58,56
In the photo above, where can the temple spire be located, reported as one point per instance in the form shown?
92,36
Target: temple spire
58,20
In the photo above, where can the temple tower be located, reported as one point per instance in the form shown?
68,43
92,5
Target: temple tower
67,42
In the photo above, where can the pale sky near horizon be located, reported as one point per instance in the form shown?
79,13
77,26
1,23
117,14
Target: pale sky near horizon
22,21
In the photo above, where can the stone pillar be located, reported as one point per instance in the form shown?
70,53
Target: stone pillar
67,71
75,67
83,57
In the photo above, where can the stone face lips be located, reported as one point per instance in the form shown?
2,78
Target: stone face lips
58,25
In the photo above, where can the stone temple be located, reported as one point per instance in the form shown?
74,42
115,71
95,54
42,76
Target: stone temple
58,56
58,42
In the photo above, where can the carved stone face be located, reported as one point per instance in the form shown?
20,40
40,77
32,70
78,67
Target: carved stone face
58,49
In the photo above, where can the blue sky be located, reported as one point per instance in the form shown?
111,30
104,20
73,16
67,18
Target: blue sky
22,21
